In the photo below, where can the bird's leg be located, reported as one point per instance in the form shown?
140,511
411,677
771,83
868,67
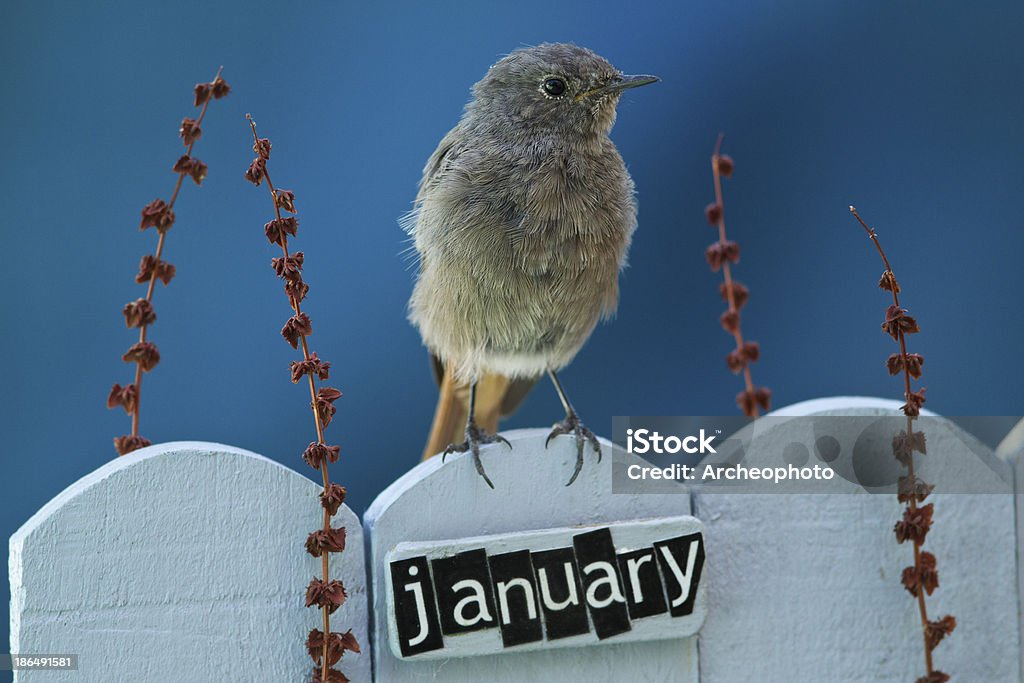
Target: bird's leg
474,437
572,425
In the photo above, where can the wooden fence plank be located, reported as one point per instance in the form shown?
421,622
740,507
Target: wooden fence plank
179,562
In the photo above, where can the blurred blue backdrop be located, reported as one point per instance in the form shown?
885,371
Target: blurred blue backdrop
910,110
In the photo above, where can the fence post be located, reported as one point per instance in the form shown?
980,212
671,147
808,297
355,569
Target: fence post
446,507
179,562
807,587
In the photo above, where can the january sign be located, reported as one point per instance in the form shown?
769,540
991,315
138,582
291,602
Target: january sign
568,587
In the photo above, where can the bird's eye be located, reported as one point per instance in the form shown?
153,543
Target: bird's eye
554,86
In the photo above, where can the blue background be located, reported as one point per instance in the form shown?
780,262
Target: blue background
911,110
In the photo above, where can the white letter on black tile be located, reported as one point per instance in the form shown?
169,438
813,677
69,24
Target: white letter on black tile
456,575
482,616
645,594
595,554
415,615
557,577
512,577
673,555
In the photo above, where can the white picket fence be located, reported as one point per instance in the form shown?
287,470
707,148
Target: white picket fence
184,562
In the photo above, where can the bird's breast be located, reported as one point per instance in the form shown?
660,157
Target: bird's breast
575,212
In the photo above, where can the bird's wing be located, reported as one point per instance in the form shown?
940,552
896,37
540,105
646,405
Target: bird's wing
497,395
436,159
445,153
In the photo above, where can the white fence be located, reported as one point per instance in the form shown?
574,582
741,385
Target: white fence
184,562
180,562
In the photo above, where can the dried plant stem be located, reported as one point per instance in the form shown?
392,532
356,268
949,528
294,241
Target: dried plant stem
324,647
160,252
722,254
140,312
726,269
922,607
922,578
297,307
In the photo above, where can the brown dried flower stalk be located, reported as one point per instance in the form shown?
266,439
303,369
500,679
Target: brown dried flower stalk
922,578
326,593
720,255
139,313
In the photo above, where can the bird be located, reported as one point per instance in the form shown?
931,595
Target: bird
522,222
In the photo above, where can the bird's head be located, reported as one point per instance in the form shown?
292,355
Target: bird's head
554,88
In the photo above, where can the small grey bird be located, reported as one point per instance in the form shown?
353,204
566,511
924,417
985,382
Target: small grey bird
522,222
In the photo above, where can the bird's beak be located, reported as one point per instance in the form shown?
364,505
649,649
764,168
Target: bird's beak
620,83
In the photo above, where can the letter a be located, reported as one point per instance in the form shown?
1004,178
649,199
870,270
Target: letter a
610,578
476,598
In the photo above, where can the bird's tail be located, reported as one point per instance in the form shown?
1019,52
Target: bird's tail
496,396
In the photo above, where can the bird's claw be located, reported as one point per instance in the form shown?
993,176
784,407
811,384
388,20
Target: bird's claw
573,425
474,437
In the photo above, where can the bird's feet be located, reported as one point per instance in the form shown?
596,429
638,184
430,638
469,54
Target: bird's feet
572,425
474,437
